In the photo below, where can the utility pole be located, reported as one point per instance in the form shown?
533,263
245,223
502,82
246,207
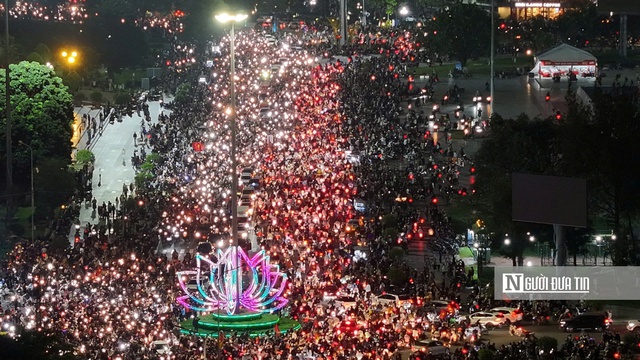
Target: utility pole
343,22
491,59
7,109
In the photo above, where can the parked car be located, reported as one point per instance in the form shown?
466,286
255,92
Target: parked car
433,347
490,320
634,326
593,322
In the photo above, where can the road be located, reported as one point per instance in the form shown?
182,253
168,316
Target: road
112,169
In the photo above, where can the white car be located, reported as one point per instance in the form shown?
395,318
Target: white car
346,302
490,320
512,314
633,326
161,347
428,346
391,299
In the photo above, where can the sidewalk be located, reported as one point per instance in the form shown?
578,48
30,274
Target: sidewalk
113,149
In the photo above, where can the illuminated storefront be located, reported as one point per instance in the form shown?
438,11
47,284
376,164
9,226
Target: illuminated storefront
524,10
520,10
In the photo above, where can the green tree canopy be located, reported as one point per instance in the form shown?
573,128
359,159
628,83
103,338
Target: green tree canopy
54,185
41,114
462,31
598,143
520,145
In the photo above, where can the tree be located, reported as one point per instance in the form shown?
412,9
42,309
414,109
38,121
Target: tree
54,184
597,142
461,31
44,52
73,80
42,114
520,145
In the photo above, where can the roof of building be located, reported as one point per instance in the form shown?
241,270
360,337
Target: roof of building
565,53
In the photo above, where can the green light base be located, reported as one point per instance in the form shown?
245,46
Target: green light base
255,324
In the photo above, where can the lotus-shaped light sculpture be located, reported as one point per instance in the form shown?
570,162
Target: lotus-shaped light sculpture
221,286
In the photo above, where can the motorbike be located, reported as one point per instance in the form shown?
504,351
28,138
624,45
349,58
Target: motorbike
519,331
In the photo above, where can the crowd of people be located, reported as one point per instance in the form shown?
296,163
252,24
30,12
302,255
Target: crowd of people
319,136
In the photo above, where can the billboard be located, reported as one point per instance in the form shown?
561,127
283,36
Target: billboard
630,7
549,200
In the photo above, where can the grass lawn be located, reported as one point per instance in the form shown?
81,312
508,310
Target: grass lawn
479,67
467,253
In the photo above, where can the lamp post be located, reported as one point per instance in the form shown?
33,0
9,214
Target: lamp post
70,57
33,207
226,18
491,58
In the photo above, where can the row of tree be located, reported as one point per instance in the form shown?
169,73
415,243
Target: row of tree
596,141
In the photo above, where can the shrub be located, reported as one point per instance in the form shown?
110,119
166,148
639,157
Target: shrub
389,220
548,344
486,354
85,156
79,97
122,98
396,253
390,233
96,97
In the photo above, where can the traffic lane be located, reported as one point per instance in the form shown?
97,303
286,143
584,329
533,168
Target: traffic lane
502,337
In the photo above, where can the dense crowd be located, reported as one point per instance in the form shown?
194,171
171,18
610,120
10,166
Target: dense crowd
320,136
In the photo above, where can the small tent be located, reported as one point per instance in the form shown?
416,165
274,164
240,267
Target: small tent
563,60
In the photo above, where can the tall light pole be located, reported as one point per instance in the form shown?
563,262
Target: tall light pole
7,99
33,206
226,18
493,51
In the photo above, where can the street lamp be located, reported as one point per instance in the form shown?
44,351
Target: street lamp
33,207
599,247
70,57
233,19
507,241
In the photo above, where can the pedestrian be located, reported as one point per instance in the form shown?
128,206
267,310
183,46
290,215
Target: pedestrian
99,180
135,137
196,323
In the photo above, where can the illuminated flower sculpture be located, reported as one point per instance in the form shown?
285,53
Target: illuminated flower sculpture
222,286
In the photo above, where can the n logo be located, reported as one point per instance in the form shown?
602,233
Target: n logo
512,283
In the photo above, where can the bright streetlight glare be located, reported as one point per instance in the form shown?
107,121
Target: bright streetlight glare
404,11
507,241
64,54
532,238
71,60
74,54
224,17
